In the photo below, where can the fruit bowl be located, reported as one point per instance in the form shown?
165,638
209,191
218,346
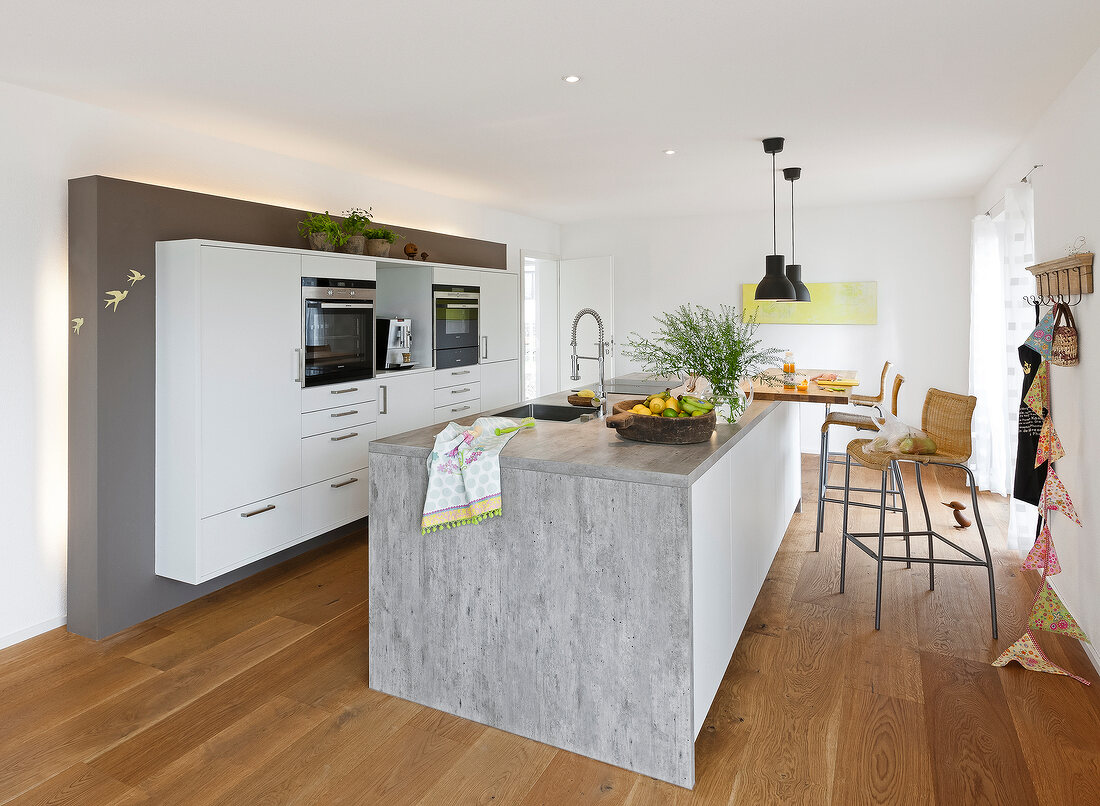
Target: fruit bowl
664,430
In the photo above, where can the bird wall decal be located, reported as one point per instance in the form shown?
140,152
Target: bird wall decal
77,324
114,298
135,275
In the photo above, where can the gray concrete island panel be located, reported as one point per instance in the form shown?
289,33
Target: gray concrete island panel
574,618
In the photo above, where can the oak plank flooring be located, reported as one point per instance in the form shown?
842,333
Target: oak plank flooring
257,694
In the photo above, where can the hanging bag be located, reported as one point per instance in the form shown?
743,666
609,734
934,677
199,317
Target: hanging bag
1064,350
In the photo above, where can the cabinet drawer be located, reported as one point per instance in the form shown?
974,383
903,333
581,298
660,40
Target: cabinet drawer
318,422
328,455
457,394
456,411
457,375
242,535
316,398
334,502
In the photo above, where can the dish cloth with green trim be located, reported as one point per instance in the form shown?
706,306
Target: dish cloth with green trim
464,474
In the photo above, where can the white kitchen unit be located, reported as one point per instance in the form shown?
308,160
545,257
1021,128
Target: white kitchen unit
343,267
499,316
406,401
246,459
500,384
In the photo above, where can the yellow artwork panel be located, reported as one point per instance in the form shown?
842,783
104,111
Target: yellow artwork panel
830,304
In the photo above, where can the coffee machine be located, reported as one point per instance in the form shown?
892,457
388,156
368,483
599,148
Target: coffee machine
394,344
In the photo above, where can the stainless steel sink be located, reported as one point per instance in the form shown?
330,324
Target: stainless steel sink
540,411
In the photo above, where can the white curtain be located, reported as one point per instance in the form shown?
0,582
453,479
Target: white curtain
1001,250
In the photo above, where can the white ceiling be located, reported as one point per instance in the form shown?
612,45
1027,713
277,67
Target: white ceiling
878,99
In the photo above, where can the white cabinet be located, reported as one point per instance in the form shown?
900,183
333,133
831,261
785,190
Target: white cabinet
500,384
239,536
335,452
334,502
343,267
405,402
249,330
499,316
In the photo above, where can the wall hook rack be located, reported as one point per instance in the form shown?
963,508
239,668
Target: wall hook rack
1061,280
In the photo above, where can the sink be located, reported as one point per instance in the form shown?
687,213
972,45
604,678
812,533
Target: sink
561,414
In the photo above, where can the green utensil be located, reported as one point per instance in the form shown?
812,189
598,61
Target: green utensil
526,422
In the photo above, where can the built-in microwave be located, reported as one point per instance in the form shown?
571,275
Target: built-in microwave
337,330
455,337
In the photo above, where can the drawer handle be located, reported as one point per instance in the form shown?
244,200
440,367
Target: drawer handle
268,508
344,483
345,413
343,391
345,436
464,372
460,391
461,408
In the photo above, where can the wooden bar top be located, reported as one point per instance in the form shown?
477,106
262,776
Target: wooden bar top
813,394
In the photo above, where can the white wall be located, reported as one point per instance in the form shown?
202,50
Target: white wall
44,141
1067,204
919,253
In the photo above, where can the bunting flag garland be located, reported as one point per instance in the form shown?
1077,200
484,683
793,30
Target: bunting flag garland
1042,338
1055,498
1027,653
1048,613
1050,447
1038,396
1042,556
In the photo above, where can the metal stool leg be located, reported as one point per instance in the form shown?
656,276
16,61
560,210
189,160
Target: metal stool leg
985,547
895,469
822,479
844,531
928,527
881,551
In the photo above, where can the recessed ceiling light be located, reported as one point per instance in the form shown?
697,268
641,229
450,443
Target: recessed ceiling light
668,152
570,79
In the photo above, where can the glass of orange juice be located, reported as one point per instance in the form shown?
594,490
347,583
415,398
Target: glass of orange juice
789,380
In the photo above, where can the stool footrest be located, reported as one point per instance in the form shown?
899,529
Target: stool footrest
973,560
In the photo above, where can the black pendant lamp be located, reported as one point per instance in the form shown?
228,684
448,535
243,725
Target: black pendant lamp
794,270
775,287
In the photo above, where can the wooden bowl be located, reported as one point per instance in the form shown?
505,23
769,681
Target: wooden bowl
665,430
583,402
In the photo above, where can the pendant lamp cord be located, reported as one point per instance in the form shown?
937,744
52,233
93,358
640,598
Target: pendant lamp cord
793,260
775,241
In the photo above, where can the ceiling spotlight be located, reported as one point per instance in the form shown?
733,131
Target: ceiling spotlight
570,79
668,152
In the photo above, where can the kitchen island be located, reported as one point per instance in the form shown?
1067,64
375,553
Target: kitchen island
598,613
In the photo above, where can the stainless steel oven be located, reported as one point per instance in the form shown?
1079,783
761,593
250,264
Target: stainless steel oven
337,330
456,331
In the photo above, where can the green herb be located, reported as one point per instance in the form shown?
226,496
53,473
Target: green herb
695,342
381,234
322,223
356,221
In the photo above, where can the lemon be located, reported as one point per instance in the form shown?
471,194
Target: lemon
656,405
586,393
673,403
640,409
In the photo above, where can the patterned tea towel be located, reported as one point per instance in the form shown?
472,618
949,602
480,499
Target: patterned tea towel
464,473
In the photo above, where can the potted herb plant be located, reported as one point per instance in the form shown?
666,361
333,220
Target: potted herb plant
322,232
379,242
695,343
354,226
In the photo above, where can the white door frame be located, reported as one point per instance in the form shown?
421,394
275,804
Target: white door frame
536,255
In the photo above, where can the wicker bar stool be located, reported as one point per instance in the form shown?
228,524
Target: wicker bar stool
860,422
946,419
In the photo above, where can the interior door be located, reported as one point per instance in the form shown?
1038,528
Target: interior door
586,282
251,403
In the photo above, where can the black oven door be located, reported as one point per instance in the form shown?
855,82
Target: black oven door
338,341
455,323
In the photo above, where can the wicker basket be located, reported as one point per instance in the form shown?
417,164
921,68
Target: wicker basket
1064,351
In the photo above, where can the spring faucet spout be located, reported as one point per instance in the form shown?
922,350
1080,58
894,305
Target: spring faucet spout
576,359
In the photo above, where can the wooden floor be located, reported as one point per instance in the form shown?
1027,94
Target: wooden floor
257,695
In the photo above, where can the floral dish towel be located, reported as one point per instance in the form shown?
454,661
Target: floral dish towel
464,474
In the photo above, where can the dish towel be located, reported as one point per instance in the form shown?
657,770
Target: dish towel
464,473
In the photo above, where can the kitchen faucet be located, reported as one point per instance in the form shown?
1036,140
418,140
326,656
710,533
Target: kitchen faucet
576,359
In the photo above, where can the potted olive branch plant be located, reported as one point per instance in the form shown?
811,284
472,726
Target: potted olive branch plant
693,342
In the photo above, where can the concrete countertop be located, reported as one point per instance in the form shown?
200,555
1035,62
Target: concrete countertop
589,448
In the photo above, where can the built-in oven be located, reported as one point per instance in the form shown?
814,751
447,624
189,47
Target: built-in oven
455,337
337,330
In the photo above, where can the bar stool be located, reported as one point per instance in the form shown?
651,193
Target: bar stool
946,419
860,422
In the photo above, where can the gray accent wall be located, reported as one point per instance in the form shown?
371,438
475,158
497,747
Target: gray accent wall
114,225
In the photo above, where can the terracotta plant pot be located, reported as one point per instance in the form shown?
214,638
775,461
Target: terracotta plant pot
355,245
321,242
378,247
